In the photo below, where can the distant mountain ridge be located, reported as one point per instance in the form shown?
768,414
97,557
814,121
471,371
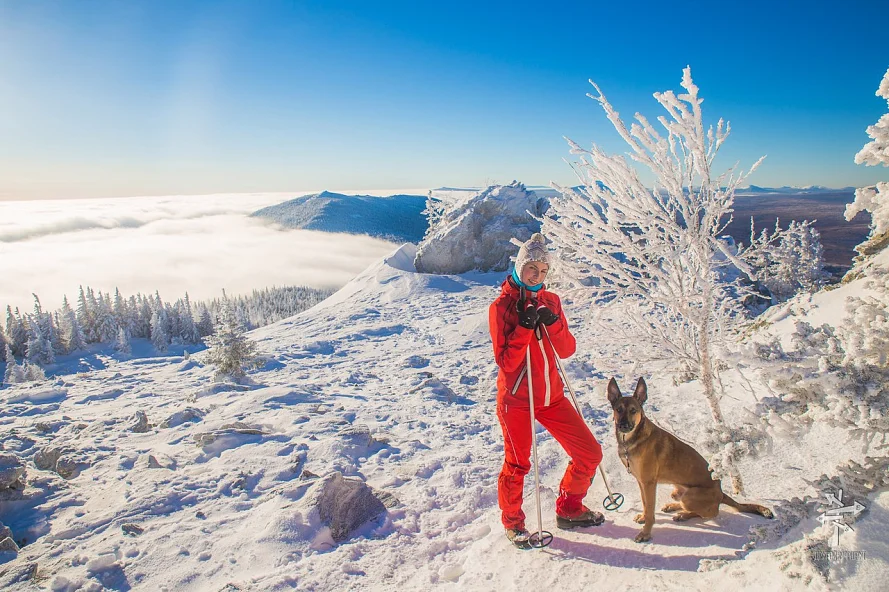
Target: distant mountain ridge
794,190
397,218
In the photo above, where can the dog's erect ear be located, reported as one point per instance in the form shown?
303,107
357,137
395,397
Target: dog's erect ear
641,392
613,391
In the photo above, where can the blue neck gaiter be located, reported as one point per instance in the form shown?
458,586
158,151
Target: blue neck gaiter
518,281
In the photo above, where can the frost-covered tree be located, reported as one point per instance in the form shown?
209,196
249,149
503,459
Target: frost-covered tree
205,322
874,199
434,212
230,350
14,373
59,345
143,318
39,350
105,323
655,252
159,337
786,261
16,332
44,322
122,343
32,372
72,334
188,330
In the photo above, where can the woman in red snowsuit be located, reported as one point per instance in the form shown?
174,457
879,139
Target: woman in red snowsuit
515,319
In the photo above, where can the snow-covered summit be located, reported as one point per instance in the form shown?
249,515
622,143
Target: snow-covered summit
397,218
473,233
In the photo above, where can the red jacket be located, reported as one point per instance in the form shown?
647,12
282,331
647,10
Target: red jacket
511,341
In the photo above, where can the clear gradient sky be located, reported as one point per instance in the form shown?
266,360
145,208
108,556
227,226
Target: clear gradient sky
107,98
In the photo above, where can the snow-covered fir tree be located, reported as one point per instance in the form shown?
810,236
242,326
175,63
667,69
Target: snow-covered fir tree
230,350
652,252
72,334
105,329
120,311
122,343
14,373
188,330
205,321
16,332
159,337
39,350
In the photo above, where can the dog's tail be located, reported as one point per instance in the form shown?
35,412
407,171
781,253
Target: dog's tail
751,508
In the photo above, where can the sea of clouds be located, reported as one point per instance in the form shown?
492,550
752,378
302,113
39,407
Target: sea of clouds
172,244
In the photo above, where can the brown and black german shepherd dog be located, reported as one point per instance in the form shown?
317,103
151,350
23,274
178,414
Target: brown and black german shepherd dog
654,456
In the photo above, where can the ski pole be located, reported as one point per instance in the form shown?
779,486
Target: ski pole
542,538
613,501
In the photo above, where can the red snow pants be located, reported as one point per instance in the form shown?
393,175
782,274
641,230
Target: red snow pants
569,429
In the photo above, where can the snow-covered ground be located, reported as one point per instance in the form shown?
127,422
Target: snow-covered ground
392,380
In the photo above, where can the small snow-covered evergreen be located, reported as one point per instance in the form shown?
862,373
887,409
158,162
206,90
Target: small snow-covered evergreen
122,344
9,375
230,350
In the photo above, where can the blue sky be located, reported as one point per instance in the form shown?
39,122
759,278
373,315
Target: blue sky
124,98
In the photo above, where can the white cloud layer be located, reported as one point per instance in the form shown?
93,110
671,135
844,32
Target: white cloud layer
199,244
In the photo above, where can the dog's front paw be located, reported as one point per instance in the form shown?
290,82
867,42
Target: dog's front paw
639,519
643,536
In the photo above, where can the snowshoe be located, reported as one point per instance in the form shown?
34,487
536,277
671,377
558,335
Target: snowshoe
519,537
585,518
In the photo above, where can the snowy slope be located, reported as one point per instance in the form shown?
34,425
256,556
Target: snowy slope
398,218
408,356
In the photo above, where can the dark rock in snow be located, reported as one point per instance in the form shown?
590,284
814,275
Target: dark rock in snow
140,423
12,472
132,529
345,504
180,417
357,435
59,459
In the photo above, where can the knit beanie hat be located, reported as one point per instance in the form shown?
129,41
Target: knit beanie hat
534,249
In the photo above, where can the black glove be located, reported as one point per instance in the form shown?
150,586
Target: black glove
547,317
528,316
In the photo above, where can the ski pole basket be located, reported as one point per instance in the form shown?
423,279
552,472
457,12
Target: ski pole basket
540,539
613,501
